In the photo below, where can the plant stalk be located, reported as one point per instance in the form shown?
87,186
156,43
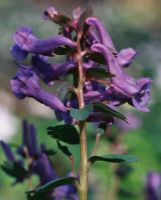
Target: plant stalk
83,186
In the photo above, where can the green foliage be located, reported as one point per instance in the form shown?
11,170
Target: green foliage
114,158
81,114
96,57
97,72
64,149
53,184
101,107
15,170
65,133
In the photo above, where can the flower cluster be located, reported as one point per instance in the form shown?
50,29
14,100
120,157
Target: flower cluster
99,55
38,164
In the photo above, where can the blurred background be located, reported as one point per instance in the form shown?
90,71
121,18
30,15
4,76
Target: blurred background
134,23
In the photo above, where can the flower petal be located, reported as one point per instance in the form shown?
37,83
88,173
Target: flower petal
18,54
103,34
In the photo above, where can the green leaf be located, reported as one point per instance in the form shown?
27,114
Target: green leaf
96,57
62,89
81,114
15,170
102,128
114,158
63,50
97,72
64,149
49,152
54,184
66,133
101,107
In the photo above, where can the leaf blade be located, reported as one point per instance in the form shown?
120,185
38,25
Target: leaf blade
66,133
54,184
101,107
81,114
114,158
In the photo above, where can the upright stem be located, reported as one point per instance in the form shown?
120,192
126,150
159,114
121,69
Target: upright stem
83,187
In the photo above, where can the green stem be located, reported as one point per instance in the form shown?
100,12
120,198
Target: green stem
83,186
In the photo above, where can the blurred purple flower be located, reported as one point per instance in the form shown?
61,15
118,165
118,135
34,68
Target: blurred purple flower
25,84
133,122
153,186
42,167
7,151
29,143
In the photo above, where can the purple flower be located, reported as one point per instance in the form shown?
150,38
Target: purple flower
135,92
49,72
29,143
133,122
125,57
18,53
25,84
103,35
42,167
153,186
28,42
67,192
49,13
8,152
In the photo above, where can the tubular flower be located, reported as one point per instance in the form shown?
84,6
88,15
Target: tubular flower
28,42
152,187
25,84
103,35
49,72
136,92
8,152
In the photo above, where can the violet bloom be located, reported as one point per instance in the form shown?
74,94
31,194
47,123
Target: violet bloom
66,192
7,151
153,186
133,122
125,57
27,42
42,167
99,34
103,35
49,72
25,84
135,92
12,164
29,143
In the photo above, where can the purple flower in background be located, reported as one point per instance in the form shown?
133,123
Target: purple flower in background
42,167
7,151
25,84
29,143
133,122
153,186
